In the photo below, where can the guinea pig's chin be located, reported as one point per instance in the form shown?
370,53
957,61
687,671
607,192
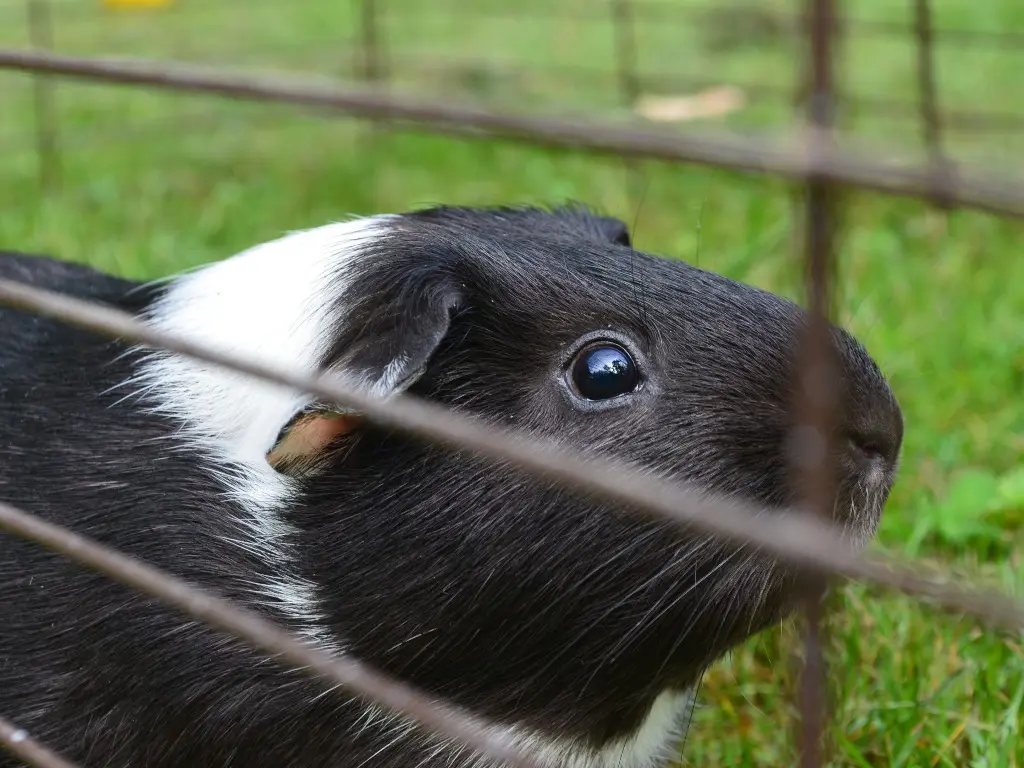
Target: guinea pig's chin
858,510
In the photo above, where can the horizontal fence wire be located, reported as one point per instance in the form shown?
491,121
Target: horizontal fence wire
198,120
299,57
201,605
795,157
790,534
878,106
696,14
672,13
21,744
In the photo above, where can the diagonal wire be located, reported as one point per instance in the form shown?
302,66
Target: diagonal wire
793,160
789,534
20,744
221,614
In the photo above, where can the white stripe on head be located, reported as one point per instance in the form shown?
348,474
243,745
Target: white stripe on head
271,301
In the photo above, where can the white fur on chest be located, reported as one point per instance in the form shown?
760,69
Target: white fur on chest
653,744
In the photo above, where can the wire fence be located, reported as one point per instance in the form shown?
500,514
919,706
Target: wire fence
640,78
816,153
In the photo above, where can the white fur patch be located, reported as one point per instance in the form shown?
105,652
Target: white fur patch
651,746
270,302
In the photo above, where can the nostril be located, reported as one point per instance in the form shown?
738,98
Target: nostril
869,447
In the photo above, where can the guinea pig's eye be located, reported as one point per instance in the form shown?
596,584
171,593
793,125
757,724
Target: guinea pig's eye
603,371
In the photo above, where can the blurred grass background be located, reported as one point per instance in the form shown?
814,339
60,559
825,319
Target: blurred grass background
152,183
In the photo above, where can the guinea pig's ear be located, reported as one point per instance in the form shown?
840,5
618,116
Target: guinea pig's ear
604,227
305,438
614,230
384,341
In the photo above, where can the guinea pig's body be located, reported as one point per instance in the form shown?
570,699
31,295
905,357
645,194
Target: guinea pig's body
572,624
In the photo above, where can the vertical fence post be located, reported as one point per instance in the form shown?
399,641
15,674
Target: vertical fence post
624,30
371,68
817,390
625,50
928,102
40,28
927,99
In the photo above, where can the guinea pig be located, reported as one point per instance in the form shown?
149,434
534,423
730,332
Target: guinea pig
572,625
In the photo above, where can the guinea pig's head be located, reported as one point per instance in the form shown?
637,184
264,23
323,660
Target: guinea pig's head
560,614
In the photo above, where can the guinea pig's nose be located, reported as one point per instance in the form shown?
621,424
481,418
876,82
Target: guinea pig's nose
873,429
870,425
871,446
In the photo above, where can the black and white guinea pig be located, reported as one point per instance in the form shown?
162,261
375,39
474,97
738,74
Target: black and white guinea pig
573,625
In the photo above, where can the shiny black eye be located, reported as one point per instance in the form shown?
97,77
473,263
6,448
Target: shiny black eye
604,371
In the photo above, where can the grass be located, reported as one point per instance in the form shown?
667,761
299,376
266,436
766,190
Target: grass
152,183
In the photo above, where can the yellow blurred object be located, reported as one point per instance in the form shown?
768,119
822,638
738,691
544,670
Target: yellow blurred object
137,3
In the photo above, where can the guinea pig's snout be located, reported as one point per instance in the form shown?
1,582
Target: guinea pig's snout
867,438
866,444
872,421
874,444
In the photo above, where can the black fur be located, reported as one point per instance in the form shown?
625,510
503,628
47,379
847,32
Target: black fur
524,602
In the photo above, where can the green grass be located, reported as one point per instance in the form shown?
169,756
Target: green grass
153,183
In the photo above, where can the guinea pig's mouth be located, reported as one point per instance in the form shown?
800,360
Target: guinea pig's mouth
863,469
861,495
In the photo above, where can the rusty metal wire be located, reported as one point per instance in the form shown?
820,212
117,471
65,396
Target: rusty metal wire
816,404
372,61
793,157
952,121
789,534
447,65
40,23
675,13
221,614
931,122
20,744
